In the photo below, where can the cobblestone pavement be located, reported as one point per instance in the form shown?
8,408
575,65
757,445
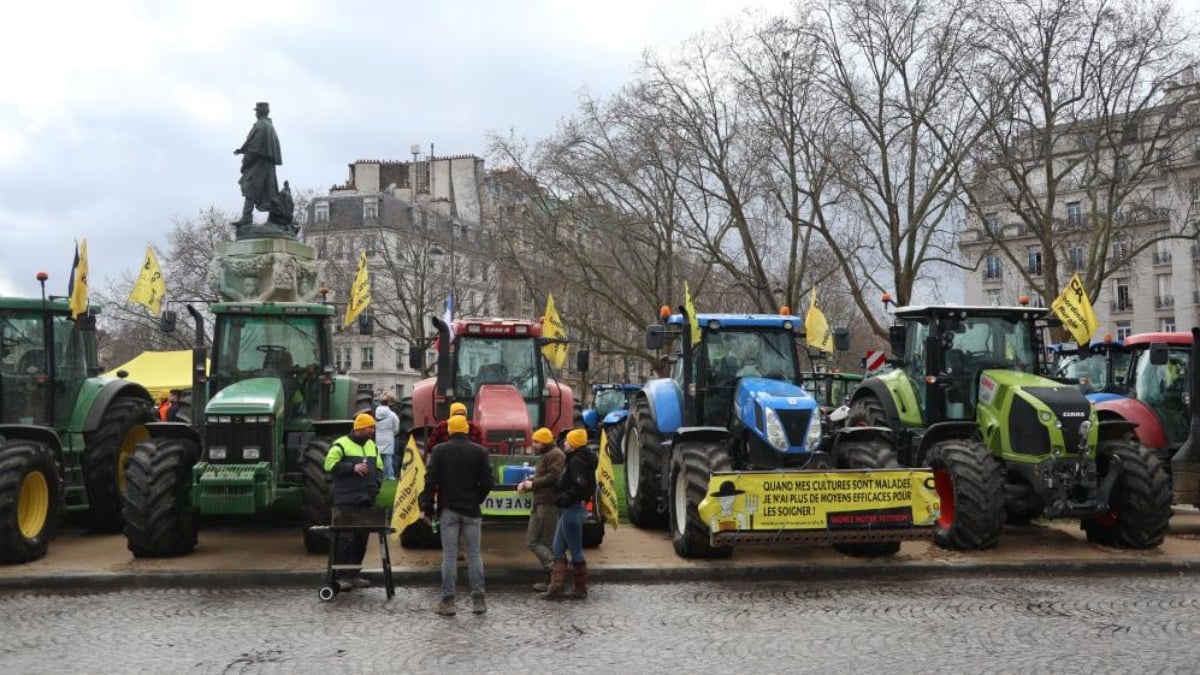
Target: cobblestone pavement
1086,625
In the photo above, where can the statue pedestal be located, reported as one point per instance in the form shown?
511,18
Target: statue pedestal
265,270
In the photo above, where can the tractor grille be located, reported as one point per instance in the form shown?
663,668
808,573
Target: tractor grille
495,436
235,437
1069,406
1026,433
795,424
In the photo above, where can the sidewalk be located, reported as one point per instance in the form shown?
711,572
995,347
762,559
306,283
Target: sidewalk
229,555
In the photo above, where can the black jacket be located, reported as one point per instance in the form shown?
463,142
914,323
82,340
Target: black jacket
578,483
349,488
459,475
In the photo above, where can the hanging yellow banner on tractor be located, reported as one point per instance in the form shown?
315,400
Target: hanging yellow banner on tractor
1074,308
819,500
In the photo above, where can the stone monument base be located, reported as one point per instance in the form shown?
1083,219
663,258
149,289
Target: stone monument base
265,270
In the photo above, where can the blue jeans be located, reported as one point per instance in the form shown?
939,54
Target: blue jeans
451,525
569,534
389,466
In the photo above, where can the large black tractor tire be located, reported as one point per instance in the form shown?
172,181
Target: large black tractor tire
183,409
867,412
867,454
364,402
316,494
614,434
406,415
593,534
970,484
642,496
106,454
160,519
30,500
1140,504
692,465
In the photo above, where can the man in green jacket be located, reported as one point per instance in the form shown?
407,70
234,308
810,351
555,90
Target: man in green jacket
357,474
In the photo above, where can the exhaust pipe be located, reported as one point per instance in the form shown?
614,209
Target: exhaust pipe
199,370
1185,465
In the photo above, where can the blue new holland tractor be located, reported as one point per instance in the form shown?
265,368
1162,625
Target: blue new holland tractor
609,413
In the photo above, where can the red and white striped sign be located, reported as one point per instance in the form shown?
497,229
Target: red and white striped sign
874,361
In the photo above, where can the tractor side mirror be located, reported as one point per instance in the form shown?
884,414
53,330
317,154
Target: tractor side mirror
416,357
897,338
366,324
654,337
166,321
841,339
86,322
583,359
1159,353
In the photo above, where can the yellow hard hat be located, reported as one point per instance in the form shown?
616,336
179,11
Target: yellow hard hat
458,408
577,438
457,425
543,435
363,421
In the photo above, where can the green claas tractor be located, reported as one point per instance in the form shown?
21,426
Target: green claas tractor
65,433
969,401
261,425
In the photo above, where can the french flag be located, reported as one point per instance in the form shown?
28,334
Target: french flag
448,315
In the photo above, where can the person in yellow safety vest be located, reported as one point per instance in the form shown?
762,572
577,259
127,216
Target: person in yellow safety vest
357,471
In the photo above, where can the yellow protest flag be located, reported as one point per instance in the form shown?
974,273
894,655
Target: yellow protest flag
360,292
1074,308
606,483
406,509
816,328
77,289
553,328
693,322
150,287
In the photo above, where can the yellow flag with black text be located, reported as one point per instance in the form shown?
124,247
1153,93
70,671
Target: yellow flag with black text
150,287
606,483
360,291
690,308
1074,308
816,327
406,509
77,288
553,328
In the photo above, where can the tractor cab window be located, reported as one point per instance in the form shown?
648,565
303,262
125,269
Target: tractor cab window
1164,388
732,355
991,342
914,357
70,367
23,367
286,347
1090,372
513,361
608,400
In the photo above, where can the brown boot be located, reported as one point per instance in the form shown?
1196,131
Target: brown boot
581,582
558,574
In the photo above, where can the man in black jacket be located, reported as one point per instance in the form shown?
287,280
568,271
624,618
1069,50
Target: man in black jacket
357,474
460,476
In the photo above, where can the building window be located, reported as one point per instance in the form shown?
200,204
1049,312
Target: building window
1165,295
991,224
991,268
1120,253
1035,261
1075,259
1167,324
370,209
993,297
1122,302
321,212
1035,298
341,358
1123,330
1074,215
368,358
368,245
398,389
1162,249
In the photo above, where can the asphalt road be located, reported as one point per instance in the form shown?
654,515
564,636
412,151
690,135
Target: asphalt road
1061,625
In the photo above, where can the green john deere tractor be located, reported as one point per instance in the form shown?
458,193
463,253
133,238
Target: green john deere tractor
65,432
260,428
1003,441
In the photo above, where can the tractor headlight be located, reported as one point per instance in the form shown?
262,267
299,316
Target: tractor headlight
813,439
216,452
251,452
222,419
1045,415
1085,428
775,433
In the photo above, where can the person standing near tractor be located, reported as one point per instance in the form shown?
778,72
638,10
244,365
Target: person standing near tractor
441,433
387,426
574,488
457,481
543,521
357,471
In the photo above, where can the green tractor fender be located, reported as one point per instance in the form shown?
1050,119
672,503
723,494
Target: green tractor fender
332,428
895,393
174,430
95,397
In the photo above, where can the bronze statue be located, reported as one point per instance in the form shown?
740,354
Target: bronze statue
260,188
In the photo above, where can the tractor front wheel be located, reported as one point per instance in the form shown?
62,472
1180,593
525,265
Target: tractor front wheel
867,454
692,465
29,500
614,434
160,519
970,485
1140,503
867,412
106,454
316,494
641,493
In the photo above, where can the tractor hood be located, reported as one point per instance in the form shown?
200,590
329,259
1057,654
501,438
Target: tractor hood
257,396
615,417
501,413
781,413
1037,413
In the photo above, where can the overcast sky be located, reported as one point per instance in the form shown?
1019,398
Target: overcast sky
116,117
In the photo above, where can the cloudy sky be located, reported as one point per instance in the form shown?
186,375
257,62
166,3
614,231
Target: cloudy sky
117,117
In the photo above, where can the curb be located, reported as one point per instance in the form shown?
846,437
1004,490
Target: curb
508,577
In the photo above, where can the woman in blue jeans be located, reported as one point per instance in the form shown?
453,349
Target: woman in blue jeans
575,487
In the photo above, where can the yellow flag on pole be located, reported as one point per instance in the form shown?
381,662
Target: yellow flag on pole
406,509
606,483
553,328
1074,308
77,288
816,328
693,322
360,291
150,287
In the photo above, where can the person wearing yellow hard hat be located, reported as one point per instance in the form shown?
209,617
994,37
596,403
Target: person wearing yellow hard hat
441,434
574,489
543,520
357,471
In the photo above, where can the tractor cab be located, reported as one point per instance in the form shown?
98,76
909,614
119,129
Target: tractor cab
1158,377
45,356
1100,368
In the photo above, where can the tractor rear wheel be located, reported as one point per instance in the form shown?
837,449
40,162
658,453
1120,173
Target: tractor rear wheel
692,465
867,412
160,519
867,454
641,492
316,503
593,534
614,434
1140,503
106,453
30,500
970,484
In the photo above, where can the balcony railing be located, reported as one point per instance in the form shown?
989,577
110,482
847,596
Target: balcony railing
992,277
1120,306
1035,270
1162,257
1164,301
